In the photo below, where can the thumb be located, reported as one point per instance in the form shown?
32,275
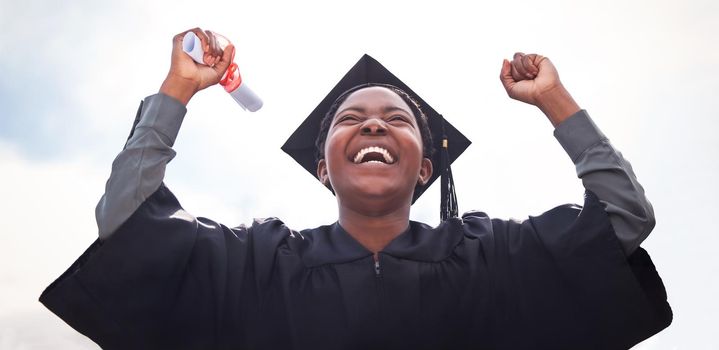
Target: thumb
228,55
505,76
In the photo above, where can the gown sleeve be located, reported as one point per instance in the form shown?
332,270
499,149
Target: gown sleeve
159,282
561,280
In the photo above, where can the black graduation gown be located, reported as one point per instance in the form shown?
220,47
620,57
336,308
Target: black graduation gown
167,280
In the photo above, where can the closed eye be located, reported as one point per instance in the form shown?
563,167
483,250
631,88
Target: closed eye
399,118
348,118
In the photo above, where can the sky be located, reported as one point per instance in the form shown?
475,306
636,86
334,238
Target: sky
74,72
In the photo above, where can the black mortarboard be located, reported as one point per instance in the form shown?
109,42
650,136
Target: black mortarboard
301,145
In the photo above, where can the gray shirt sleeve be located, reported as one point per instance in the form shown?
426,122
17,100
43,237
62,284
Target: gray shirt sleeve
605,172
139,169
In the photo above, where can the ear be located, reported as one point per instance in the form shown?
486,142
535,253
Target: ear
322,173
425,171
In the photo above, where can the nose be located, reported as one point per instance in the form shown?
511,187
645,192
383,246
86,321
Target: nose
373,126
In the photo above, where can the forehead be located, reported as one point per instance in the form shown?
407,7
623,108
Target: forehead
374,97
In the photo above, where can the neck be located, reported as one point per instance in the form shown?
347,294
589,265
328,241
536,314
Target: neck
374,230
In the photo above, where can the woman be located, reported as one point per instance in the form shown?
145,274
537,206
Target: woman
570,278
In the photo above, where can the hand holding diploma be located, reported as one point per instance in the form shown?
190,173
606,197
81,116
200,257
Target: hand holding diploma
186,77
231,80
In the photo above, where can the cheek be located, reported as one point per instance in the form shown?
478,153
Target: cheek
414,143
334,148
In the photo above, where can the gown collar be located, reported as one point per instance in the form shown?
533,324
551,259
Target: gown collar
331,244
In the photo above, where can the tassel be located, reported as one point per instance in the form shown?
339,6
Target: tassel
448,206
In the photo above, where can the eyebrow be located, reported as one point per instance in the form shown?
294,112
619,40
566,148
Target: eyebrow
386,109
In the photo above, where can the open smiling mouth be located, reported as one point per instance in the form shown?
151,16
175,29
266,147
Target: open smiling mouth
373,155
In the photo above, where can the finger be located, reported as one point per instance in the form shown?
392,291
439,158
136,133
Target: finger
208,59
533,63
519,67
219,49
225,60
177,39
505,76
515,73
214,47
529,67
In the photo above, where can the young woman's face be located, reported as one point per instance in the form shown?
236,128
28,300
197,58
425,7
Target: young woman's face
374,148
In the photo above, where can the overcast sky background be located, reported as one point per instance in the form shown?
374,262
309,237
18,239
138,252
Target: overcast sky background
72,74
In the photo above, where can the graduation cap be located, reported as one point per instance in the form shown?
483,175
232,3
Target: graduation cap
448,142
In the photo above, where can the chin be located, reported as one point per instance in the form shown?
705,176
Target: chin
374,196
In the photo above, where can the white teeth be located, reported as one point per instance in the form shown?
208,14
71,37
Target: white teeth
387,157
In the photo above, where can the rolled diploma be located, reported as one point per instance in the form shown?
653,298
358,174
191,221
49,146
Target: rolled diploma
192,46
243,95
